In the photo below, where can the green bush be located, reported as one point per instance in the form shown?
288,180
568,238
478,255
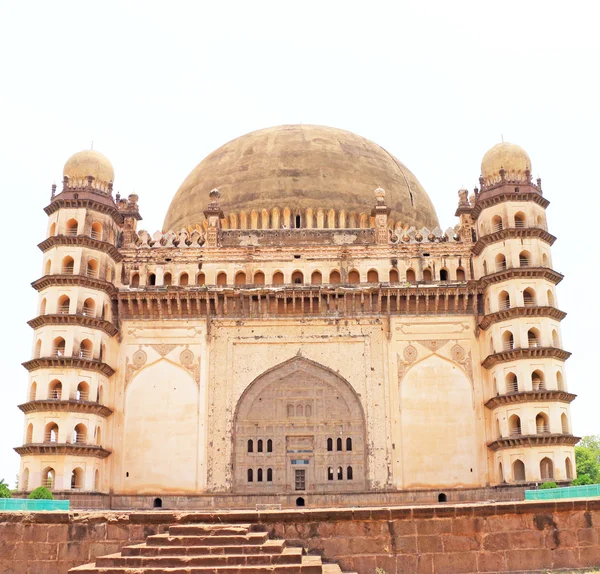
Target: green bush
5,491
548,485
41,493
582,480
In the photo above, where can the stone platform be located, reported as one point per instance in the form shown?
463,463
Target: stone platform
436,539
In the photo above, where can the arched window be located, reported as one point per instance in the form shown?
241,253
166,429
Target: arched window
550,298
259,445
77,478
334,277
89,307
152,279
541,424
240,278
524,259
339,444
503,300
500,262
269,445
546,469
68,265
92,269
394,277
25,480
29,434
498,429
51,432
427,276
299,411
340,473
269,475
97,480
86,349
297,278
514,425
32,391
167,279
52,229
259,278
500,473
410,276
545,260
460,274
564,424
58,347
316,278
353,276
537,381
518,471
278,278
71,227
98,436
560,382
250,445
96,231
329,444
533,338
529,297
307,410
48,267
80,434
443,274
222,278
83,392
99,395
496,223
330,473
539,222
55,390
372,276
157,503
495,387
250,475
555,340
259,475
512,383
200,279
135,280
349,473
184,279
569,468
442,497
290,410
348,443
520,220
48,477
64,305
38,349
485,272
43,307
508,342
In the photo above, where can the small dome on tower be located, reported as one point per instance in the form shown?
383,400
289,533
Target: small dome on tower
510,157
89,162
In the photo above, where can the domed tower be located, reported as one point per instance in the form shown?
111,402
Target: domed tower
529,422
69,394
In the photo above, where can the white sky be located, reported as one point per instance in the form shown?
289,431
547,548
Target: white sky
159,85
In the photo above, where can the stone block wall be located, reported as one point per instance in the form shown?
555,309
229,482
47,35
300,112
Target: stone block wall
474,538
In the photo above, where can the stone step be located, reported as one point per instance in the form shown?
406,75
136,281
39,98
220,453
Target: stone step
269,547
309,565
208,540
208,529
288,556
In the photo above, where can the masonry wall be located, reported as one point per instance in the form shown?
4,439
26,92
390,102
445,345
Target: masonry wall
503,537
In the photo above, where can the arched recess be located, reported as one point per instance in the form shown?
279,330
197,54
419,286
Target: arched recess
264,405
161,431
438,426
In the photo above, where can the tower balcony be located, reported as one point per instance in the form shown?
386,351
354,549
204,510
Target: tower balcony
55,404
507,313
542,438
62,448
82,361
69,279
92,241
518,232
530,396
526,272
510,353
83,319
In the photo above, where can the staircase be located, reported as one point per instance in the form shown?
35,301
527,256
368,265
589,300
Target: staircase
210,548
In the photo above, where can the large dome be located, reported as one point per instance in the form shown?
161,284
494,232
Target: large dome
301,166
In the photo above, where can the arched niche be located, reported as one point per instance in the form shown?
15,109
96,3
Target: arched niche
161,431
268,410
439,446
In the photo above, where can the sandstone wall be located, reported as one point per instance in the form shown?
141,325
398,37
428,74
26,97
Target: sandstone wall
503,537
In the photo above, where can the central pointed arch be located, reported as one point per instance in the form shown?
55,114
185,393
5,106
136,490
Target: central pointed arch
301,407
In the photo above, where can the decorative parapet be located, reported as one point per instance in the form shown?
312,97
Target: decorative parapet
522,273
74,319
529,397
70,405
512,233
533,440
527,353
58,448
502,197
74,280
69,363
514,312
83,241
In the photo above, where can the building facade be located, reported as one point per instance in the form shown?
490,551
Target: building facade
301,325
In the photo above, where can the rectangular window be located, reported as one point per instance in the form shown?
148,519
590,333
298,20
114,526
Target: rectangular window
300,479
299,461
